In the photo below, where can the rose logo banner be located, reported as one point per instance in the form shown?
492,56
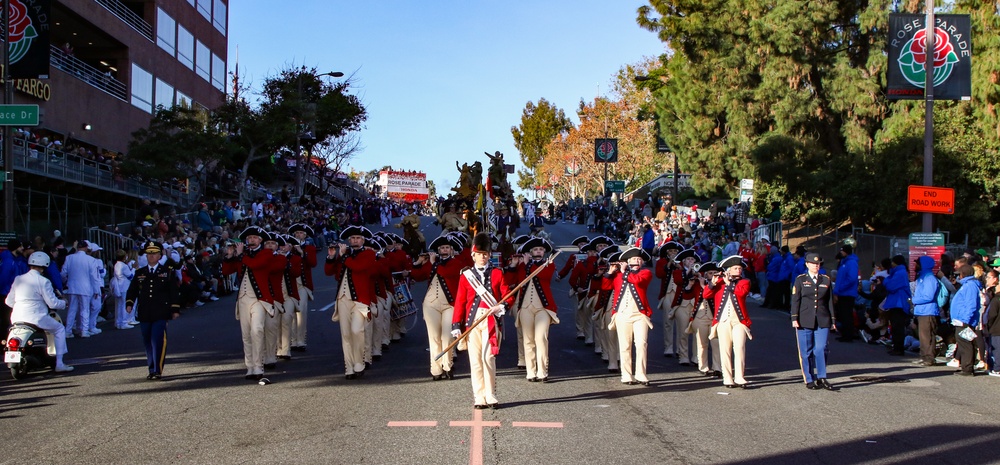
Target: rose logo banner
29,39
908,55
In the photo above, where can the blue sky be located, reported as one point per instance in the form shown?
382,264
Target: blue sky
443,80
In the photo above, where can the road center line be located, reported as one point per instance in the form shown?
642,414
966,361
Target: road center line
412,423
537,424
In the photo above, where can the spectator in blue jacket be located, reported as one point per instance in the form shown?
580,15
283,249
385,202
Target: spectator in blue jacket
774,260
897,303
53,272
965,314
785,279
845,293
800,262
12,265
925,308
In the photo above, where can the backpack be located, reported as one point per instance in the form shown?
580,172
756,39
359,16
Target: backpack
942,295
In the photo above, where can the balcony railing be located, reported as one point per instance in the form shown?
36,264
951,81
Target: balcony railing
122,12
79,69
32,158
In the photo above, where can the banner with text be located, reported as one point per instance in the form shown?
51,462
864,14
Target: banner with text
952,55
409,186
29,39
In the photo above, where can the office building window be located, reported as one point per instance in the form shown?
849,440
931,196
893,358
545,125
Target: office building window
205,8
166,31
191,2
164,94
185,47
142,89
218,73
219,16
183,100
203,61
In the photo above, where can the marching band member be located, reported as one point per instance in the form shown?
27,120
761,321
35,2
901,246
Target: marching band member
579,282
689,292
441,270
607,270
671,278
399,262
304,234
254,303
731,322
582,318
537,308
291,250
701,325
517,243
383,292
631,314
484,339
373,343
275,279
352,264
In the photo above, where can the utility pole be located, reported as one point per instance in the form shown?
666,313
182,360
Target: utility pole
928,219
8,142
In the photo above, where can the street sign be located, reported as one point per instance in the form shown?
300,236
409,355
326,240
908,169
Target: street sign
927,199
612,187
18,115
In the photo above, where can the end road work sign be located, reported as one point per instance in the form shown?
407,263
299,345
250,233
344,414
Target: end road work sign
927,199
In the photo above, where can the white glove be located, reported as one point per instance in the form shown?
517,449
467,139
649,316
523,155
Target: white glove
498,310
455,333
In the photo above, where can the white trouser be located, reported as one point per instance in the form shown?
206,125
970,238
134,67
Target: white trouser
668,323
121,316
352,316
301,316
584,325
632,325
482,363
702,328
380,326
598,335
437,317
732,350
534,322
252,315
285,323
272,331
78,313
95,310
611,336
370,332
58,331
681,318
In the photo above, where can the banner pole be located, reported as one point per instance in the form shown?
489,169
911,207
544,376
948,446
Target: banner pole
929,35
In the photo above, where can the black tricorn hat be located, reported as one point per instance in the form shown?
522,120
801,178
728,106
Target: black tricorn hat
292,240
275,237
441,240
687,253
602,240
253,231
708,266
635,252
609,251
732,260
535,242
583,239
482,243
520,240
355,231
301,227
672,245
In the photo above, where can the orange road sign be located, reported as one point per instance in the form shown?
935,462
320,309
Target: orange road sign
927,199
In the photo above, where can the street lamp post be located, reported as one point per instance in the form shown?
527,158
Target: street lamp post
302,162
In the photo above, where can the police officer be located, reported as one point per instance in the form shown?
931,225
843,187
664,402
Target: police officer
813,317
154,288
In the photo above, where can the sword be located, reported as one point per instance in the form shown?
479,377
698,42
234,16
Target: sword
505,297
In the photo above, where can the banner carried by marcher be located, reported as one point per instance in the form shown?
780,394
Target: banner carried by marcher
952,55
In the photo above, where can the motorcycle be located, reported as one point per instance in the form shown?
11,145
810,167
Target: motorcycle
28,348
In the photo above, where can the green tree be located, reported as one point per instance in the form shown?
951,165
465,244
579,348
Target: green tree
540,123
176,144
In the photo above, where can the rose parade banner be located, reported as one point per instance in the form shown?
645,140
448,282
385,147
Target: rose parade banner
952,57
409,186
29,39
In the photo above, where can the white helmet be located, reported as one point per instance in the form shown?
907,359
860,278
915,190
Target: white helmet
39,259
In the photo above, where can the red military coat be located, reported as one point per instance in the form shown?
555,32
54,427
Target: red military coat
447,271
467,303
542,282
719,292
258,264
640,280
356,267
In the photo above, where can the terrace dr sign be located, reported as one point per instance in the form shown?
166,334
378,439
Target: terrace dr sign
926,199
18,115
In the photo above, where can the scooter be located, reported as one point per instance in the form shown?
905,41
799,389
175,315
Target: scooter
28,348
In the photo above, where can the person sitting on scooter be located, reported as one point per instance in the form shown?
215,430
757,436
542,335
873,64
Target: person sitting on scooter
31,296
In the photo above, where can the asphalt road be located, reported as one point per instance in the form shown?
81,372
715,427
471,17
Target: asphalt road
203,411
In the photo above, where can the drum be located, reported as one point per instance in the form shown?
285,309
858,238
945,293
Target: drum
402,301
